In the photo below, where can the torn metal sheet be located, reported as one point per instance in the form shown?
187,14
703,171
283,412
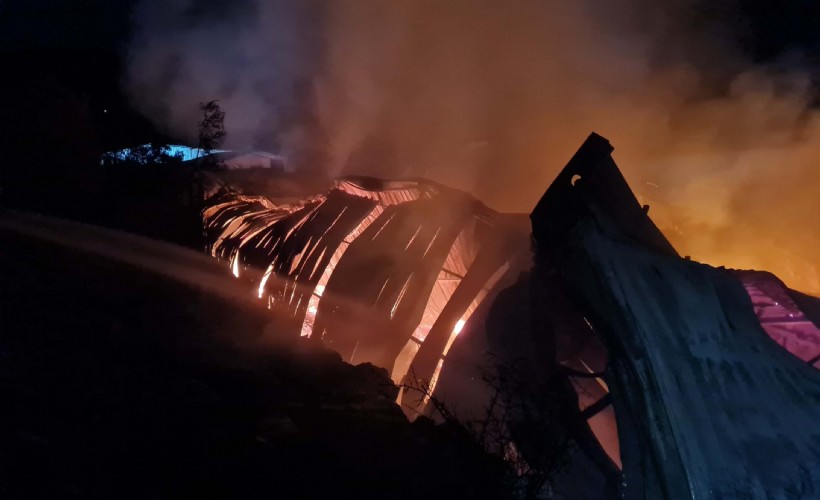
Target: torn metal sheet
707,405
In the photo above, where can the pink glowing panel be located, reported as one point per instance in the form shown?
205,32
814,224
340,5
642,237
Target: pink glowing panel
780,317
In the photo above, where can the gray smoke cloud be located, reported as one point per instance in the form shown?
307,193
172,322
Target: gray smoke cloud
494,97
252,56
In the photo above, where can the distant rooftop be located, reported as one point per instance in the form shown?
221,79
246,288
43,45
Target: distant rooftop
233,159
186,152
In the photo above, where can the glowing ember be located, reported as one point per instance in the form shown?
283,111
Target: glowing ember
264,281
235,266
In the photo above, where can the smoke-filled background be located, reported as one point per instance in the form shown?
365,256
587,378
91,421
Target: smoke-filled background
495,96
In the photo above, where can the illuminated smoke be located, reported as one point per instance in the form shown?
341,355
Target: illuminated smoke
495,96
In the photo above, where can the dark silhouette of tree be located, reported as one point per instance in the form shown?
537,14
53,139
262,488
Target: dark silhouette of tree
211,133
521,426
147,155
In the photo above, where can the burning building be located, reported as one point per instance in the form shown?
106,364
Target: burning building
691,380
382,272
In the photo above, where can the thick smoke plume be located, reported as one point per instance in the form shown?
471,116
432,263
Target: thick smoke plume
494,97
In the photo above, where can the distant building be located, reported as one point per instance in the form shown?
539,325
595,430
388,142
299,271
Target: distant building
238,160
233,160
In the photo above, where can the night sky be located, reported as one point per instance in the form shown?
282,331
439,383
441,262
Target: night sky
81,42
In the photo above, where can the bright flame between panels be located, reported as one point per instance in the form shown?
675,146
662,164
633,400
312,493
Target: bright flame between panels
459,326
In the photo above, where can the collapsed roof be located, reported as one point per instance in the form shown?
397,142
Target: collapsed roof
709,371
412,258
